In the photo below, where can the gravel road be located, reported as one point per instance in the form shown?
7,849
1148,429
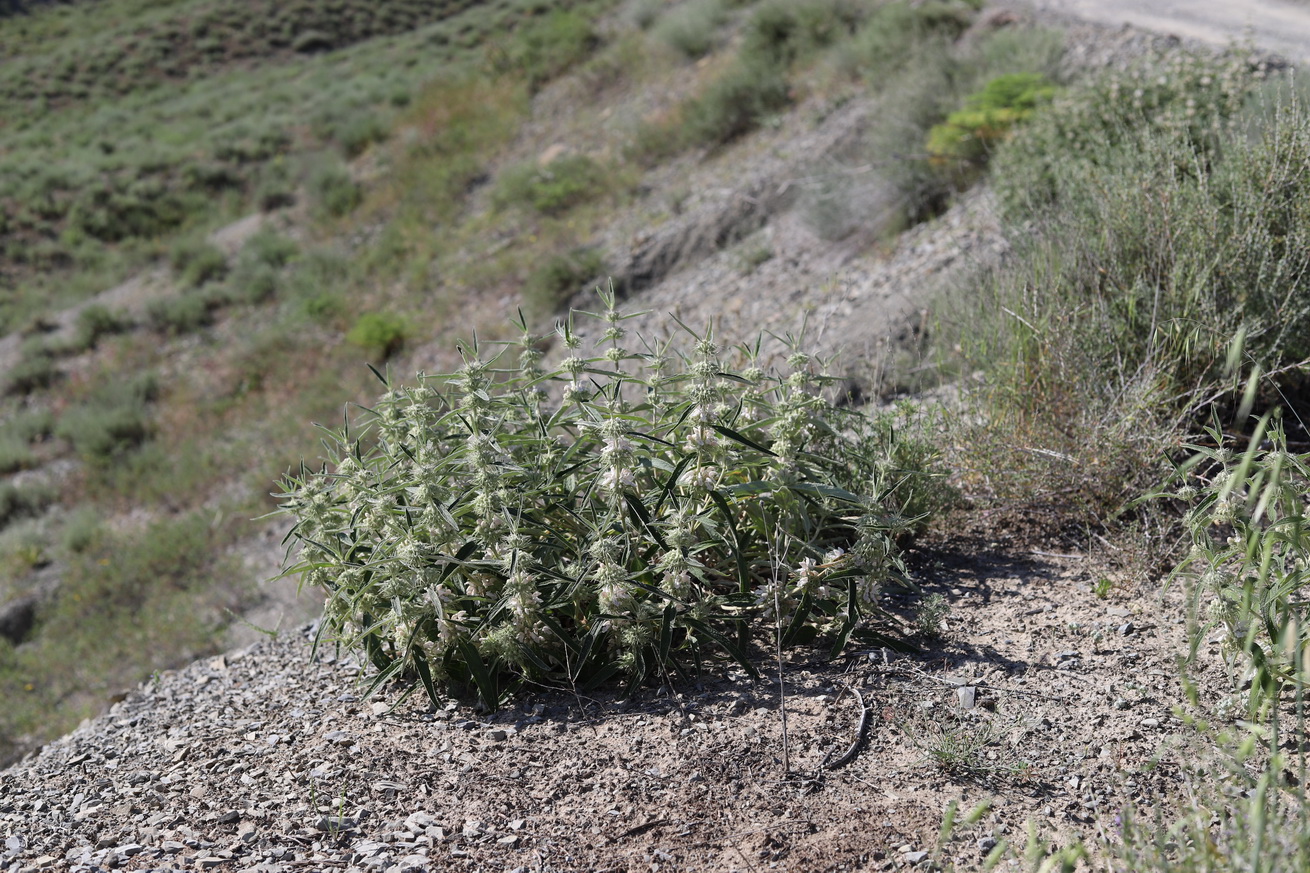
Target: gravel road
1281,26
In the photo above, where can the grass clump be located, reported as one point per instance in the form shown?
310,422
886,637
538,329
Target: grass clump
196,263
543,48
781,33
96,321
25,501
36,370
381,334
691,29
114,422
552,189
333,193
623,514
736,103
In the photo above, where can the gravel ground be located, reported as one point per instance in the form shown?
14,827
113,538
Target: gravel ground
1039,697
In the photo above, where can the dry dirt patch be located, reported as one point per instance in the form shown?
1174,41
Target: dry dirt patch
1046,701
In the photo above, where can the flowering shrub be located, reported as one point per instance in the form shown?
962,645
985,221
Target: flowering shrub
1192,99
625,513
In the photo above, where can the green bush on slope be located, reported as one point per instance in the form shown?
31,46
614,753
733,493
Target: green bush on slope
624,514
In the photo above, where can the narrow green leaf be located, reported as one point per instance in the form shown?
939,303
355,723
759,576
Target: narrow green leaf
728,646
737,436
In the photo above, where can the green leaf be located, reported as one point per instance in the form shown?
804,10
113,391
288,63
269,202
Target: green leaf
737,436
483,677
728,646
425,676
816,489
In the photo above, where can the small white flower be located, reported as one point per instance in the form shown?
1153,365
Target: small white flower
617,477
701,477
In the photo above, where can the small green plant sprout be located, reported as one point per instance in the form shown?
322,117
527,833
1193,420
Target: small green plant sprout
626,513
960,745
930,615
969,134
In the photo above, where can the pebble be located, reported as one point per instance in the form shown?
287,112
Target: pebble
914,857
1149,722
986,844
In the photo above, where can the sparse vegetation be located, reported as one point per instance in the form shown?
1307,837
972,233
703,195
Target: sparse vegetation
554,188
555,282
635,516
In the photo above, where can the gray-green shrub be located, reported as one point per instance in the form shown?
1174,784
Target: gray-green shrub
623,514
691,28
197,262
551,189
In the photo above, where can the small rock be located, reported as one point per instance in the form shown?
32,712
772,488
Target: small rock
414,862
380,708
508,840
208,863
1118,612
1121,703
986,844
967,696
1150,722
1126,628
914,857
497,734
472,829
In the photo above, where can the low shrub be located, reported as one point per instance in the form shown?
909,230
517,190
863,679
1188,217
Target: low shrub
691,28
625,514
783,31
555,282
34,371
968,135
96,321
179,314
543,48
560,185
30,426
25,501
254,282
358,132
735,103
114,421
196,262
332,191
885,45
381,334
15,454
271,248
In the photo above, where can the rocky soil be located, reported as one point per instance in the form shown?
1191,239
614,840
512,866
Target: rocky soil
1038,697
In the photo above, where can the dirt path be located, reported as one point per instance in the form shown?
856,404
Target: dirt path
1281,26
